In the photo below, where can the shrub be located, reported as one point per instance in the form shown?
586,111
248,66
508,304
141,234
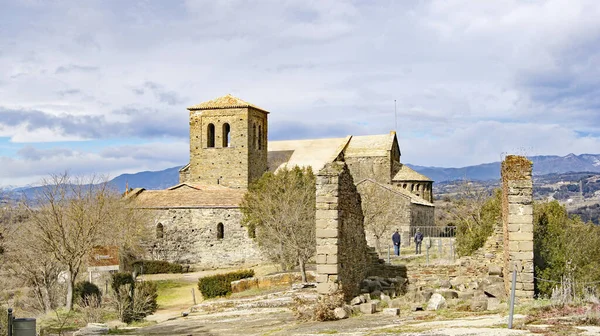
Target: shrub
321,309
220,284
87,294
120,279
144,300
157,267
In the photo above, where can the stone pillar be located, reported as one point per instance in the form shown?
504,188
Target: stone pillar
341,243
517,218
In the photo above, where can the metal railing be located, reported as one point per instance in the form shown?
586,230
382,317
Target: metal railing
434,231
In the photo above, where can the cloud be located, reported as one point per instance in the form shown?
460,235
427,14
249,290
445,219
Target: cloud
74,68
33,164
143,123
164,96
470,79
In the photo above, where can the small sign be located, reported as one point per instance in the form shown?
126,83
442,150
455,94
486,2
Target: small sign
104,258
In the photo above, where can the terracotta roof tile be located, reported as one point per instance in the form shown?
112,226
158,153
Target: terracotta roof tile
187,195
407,174
227,101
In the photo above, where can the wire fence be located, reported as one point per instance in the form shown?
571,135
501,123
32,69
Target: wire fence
434,231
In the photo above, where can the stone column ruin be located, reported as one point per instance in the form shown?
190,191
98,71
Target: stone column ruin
517,218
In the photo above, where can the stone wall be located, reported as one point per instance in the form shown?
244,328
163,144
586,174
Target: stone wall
376,167
517,218
190,236
342,257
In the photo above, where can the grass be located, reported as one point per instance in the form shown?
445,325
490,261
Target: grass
259,291
328,332
176,294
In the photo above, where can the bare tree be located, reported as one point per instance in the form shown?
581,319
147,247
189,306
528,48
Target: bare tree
26,261
474,211
72,215
280,209
378,210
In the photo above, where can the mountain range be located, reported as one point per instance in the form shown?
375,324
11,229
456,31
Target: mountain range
542,165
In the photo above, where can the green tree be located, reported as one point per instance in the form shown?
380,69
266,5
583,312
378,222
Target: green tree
474,213
564,246
279,211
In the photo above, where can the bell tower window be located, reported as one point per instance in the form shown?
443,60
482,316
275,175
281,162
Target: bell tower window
226,135
210,136
220,231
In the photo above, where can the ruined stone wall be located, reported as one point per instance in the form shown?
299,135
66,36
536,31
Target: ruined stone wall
233,166
191,236
342,257
376,167
517,218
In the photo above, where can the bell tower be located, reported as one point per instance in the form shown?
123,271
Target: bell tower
228,142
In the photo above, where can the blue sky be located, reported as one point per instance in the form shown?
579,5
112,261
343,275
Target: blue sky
102,86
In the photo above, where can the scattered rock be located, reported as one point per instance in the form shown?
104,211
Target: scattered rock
386,298
303,285
357,300
495,270
340,313
466,295
392,311
368,308
449,294
366,297
478,305
92,329
496,290
426,294
436,302
445,284
493,303
184,314
417,308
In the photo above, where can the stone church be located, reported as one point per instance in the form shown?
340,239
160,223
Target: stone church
198,221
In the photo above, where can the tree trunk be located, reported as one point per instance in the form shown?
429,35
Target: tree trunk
70,286
378,246
302,269
46,298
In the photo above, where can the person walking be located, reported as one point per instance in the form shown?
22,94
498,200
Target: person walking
396,241
418,241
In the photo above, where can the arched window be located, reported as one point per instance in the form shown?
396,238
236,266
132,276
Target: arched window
226,135
259,137
210,137
220,231
254,136
159,231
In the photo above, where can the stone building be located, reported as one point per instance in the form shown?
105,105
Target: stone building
199,221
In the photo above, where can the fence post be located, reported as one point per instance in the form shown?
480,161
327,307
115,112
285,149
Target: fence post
427,253
512,298
194,295
10,320
439,248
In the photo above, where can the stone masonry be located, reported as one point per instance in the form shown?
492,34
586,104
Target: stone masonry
342,255
517,218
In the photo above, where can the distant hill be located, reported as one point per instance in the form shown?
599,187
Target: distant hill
161,179
542,165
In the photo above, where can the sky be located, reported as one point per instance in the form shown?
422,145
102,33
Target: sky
102,86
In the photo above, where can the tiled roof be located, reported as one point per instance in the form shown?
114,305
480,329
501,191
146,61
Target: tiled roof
407,174
186,195
413,198
224,102
315,153
370,145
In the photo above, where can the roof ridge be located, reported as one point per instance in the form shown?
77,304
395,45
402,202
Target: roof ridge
224,102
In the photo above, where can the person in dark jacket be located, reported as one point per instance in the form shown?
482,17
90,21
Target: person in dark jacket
418,241
396,241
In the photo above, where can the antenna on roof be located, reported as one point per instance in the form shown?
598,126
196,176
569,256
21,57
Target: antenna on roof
395,117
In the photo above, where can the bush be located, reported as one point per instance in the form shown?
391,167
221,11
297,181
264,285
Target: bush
157,267
121,279
87,294
144,300
475,216
220,284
